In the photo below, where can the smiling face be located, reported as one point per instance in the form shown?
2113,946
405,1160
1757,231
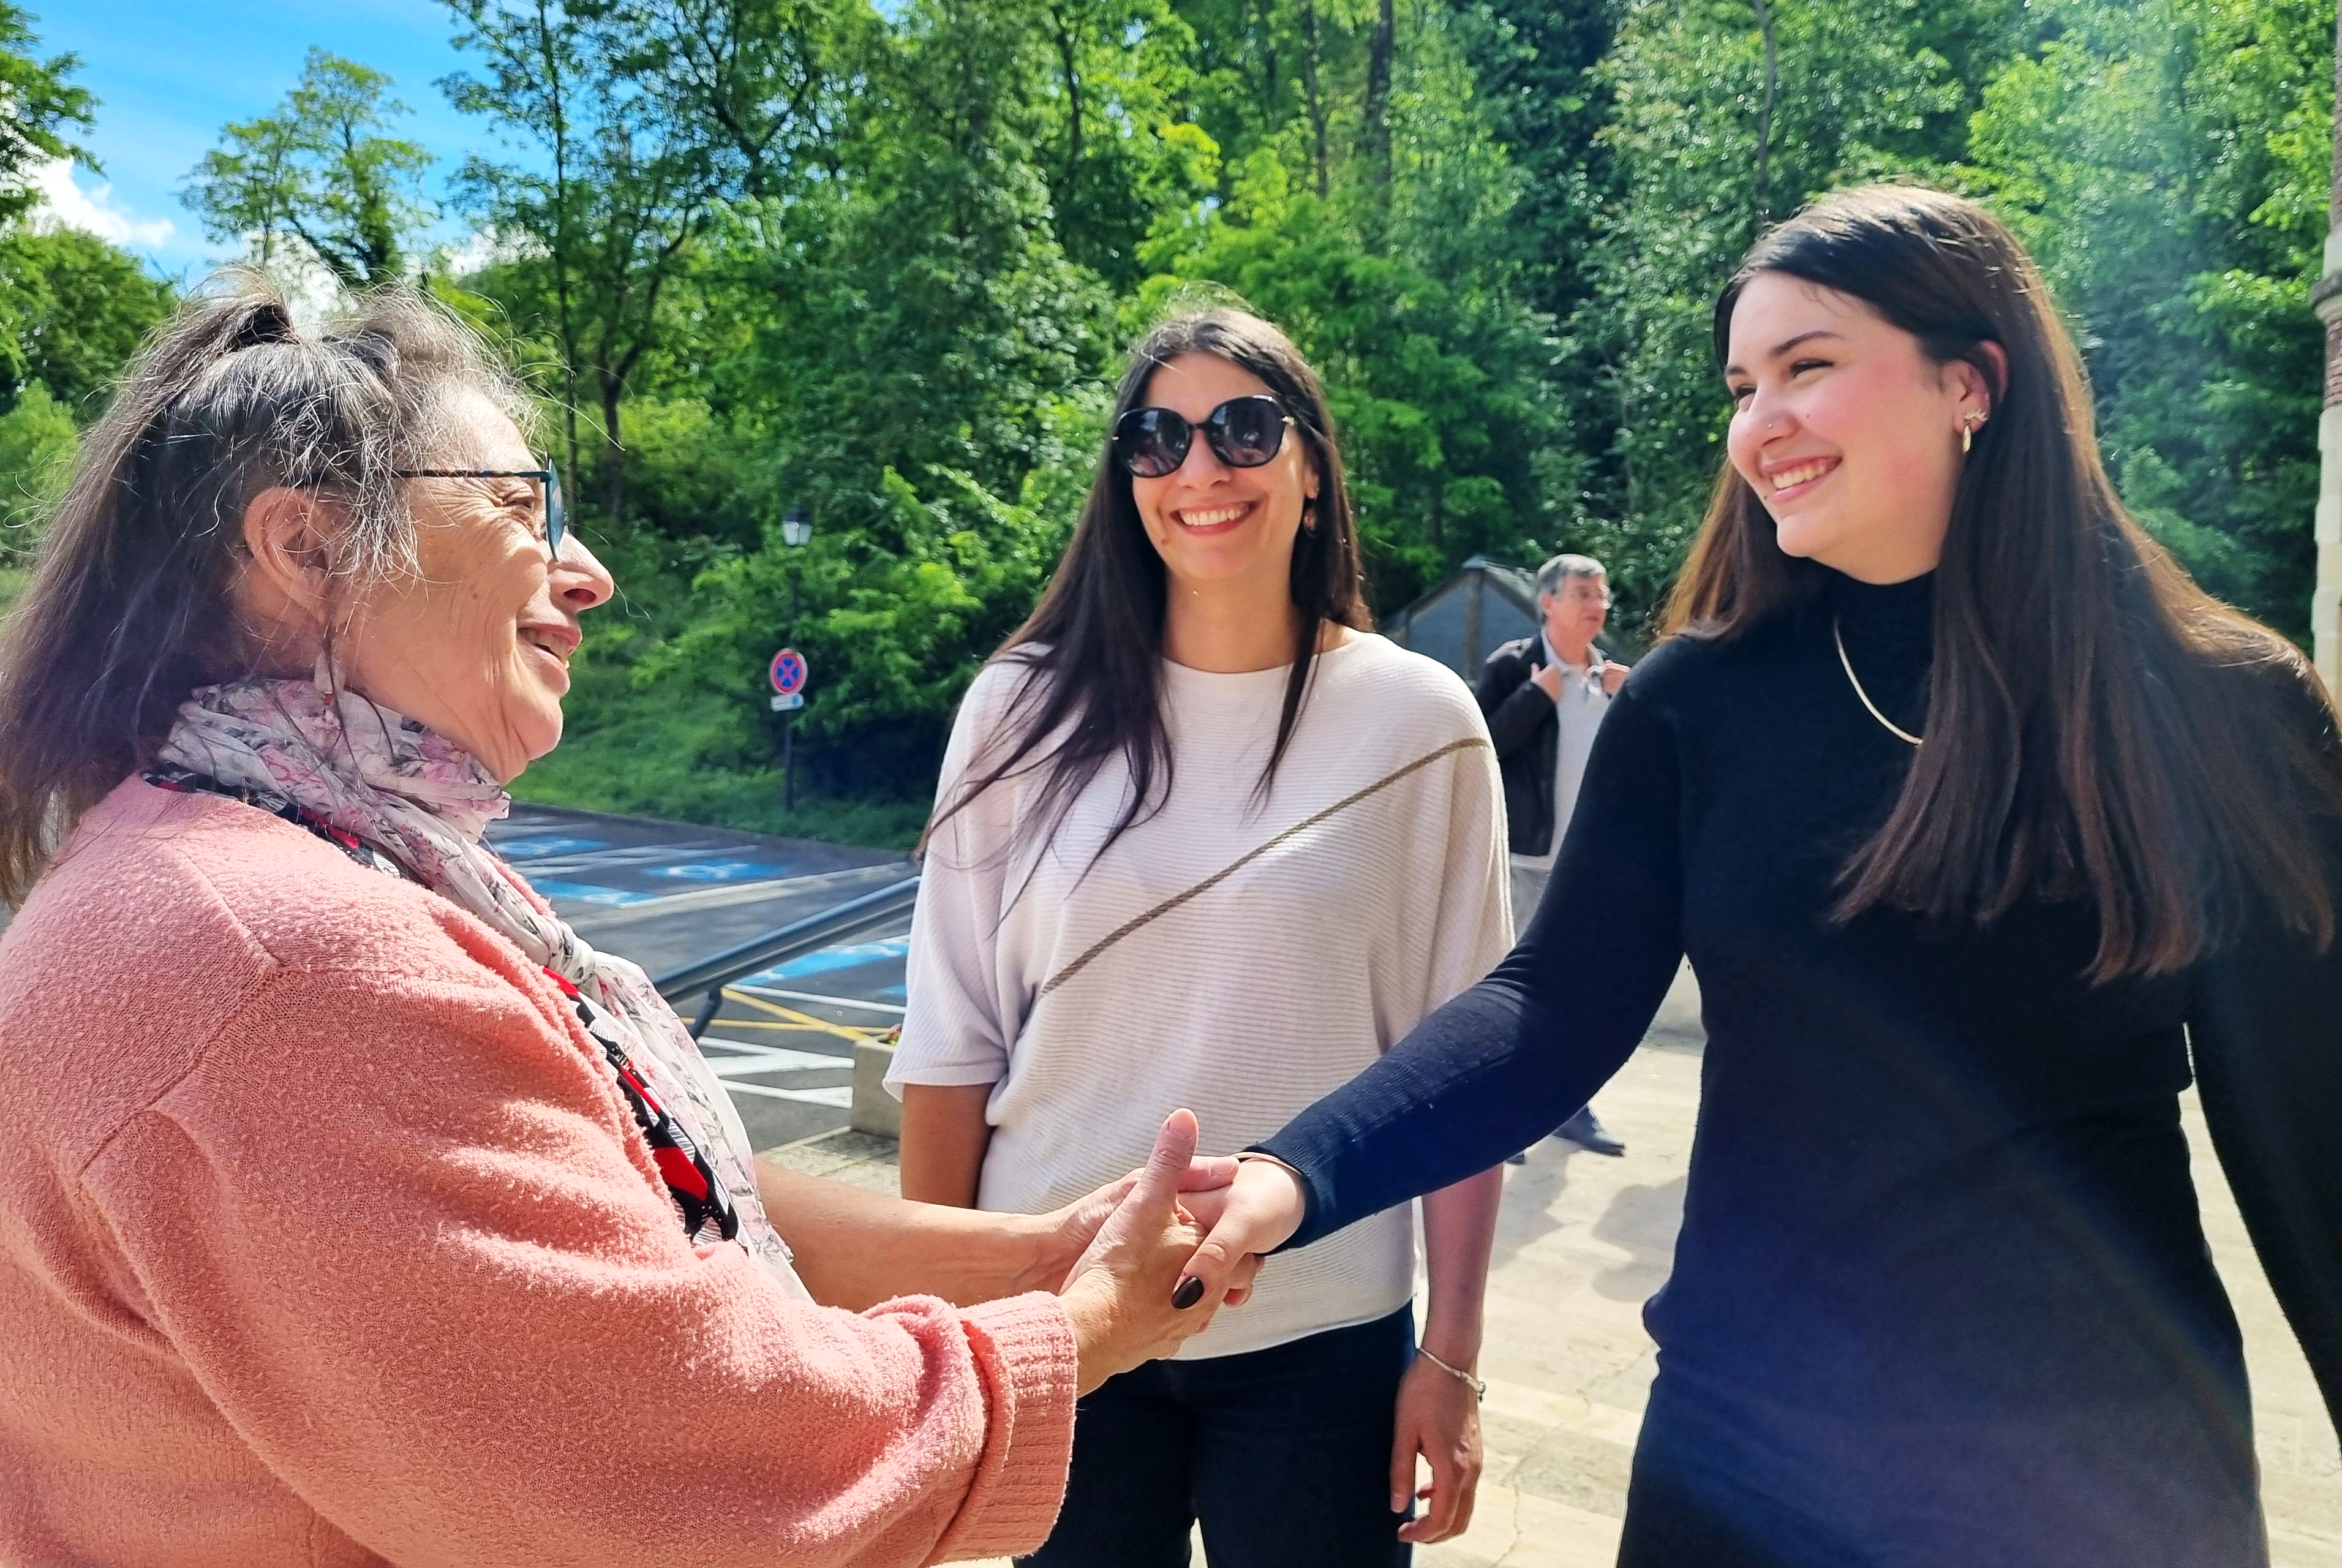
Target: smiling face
1214,524
477,645
1847,432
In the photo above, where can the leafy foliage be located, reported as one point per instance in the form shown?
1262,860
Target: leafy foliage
320,172
2170,165
37,443
875,264
39,111
72,309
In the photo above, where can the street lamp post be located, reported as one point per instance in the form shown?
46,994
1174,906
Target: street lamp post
796,532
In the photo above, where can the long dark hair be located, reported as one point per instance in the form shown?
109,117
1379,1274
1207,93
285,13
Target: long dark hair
2088,735
1091,654
129,608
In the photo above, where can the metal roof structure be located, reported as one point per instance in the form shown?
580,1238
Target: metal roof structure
1463,620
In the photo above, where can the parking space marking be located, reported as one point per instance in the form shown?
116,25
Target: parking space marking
804,1021
850,957
719,871
815,996
838,1099
537,846
757,1059
588,892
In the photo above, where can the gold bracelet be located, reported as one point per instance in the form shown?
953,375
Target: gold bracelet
1480,1389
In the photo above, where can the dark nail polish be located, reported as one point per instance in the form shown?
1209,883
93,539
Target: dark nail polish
1190,1292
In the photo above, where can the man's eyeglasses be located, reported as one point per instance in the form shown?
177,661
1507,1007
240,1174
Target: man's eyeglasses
549,477
1243,431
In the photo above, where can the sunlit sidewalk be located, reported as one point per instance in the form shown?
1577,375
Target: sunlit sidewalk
1585,1240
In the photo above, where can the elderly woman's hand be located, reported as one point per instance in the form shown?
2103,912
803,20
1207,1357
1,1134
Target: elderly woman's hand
1120,1295
1066,1233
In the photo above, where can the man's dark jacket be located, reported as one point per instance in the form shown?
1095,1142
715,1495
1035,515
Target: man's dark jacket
1526,728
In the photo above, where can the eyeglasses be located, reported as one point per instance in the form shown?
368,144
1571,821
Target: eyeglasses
1243,431
555,516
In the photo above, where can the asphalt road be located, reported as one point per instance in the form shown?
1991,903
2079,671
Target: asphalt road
665,893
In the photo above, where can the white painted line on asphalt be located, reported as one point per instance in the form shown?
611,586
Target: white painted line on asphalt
816,997
838,1099
625,855
779,1060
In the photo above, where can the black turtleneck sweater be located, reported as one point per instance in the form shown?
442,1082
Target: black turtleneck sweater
1941,1293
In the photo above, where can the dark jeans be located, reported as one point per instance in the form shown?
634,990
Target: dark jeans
1283,1454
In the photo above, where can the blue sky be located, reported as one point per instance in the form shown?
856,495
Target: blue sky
167,75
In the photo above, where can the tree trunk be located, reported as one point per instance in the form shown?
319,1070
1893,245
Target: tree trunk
614,450
1266,31
1764,116
1380,46
1068,43
1309,88
565,314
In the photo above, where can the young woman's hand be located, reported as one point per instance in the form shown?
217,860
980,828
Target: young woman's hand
1124,1296
1251,1215
1438,1418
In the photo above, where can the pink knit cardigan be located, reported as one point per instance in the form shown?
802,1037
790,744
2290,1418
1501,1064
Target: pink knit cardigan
324,1239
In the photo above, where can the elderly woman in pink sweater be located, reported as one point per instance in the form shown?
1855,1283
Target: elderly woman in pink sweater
355,1211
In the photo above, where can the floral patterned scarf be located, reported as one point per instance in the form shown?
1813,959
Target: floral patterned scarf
394,786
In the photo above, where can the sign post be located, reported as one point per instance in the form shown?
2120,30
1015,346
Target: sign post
789,675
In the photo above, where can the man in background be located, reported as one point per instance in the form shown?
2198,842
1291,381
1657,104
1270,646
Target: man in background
1543,697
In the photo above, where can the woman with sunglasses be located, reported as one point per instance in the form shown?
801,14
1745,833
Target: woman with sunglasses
1983,828
1202,839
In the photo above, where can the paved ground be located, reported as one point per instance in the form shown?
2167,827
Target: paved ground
1582,1241
665,893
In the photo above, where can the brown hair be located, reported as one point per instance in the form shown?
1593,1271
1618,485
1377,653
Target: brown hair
129,606
1093,649
2087,734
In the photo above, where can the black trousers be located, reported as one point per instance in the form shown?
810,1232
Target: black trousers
1283,1455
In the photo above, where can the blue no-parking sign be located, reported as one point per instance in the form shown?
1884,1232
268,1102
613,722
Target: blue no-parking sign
789,672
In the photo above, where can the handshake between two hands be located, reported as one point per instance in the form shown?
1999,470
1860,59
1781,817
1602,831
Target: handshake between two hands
1166,1247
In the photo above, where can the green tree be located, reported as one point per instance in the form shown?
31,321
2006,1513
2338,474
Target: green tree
597,227
929,394
1122,155
760,77
39,110
2169,163
72,309
322,170
37,443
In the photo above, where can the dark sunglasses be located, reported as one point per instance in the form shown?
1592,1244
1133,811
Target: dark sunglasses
1243,433
556,517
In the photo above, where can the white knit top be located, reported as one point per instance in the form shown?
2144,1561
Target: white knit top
1236,955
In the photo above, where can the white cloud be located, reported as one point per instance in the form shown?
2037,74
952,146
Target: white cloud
63,201
484,247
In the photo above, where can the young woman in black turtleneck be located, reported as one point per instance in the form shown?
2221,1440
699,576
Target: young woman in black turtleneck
1983,828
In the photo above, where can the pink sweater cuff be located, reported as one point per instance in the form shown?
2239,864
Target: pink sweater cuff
1024,1352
